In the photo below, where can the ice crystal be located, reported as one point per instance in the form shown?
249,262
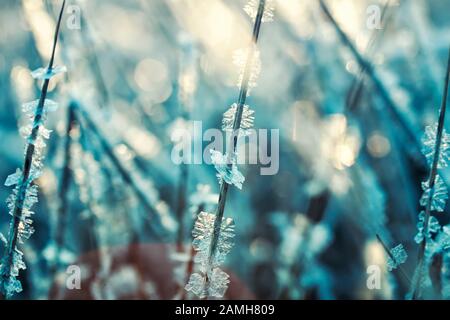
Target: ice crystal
216,286
429,144
14,178
433,227
208,265
399,254
443,238
10,271
246,120
28,197
196,285
241,58
440,194
203,232
218,283
251,8
46,73
227,171
31,107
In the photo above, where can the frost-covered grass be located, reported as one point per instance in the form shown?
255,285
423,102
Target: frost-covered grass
25,193
436,149
213,234
356,211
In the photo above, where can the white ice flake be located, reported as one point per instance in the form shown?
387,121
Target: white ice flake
196,285
433,227
440,194
399,254
251,8
429,146
14,179
203,235
241,58
226,171
246,120
218,285
46,73
31,107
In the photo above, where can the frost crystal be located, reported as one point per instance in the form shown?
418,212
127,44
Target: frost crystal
28,197
433,227
399,254
46,74
246,120
30,107
251,8
14,178
196,285
241,58
202,233
226,171
217,279
9,273
440,195
429,143
216,286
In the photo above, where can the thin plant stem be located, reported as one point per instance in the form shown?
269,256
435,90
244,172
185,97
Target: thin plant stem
388,252
126,176
63,188
29,154
236,126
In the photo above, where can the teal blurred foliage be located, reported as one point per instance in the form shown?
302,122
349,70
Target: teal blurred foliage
351,99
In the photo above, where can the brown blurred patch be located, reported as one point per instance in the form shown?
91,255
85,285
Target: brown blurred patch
151,275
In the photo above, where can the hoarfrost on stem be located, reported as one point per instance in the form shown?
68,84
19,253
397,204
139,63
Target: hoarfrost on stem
203,236
251,8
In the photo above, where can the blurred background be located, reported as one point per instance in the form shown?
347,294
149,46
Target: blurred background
350,84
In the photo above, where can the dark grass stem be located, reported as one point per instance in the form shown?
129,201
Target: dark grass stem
388,252
64,184
236,126
126,176
29,153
